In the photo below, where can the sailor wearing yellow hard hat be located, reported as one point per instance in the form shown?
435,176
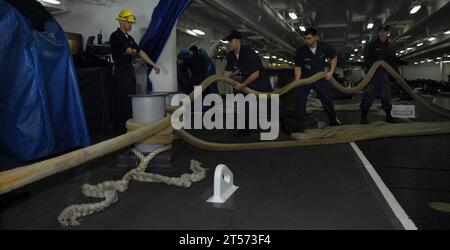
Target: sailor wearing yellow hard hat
123,48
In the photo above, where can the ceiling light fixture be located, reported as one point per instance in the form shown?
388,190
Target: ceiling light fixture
370,25
52,1
198,32
192,33
293,15
415,7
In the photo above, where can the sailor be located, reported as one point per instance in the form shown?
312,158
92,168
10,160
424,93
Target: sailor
379,49
245,60
311,59
123,49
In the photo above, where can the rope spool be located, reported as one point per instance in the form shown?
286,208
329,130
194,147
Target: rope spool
165,137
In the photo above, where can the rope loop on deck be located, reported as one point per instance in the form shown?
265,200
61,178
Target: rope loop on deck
109,190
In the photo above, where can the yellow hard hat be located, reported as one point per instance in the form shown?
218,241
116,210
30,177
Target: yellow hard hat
126,15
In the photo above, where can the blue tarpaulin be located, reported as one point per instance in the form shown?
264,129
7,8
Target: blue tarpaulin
163,20
41,113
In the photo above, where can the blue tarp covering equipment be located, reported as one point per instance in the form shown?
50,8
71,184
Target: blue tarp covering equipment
41,113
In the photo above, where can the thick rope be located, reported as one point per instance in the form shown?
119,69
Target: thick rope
328,136
109,190
360,86
443,207
19,177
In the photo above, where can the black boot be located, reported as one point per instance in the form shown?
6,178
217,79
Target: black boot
333,121
389,118
364,120
291,126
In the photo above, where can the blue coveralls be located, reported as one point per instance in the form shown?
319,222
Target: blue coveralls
380,85
310,65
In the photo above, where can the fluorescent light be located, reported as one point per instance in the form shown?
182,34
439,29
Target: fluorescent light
190,32
52,1
266,57
274,57
409,49
257,52
438,58
362,57
225,42
397,54
199,32
447,32
420,44
356,50
370,25
446,61
280,59
415,9
432,39
293,15
437,62
302,28
429,60
364,42
402,51
416,63
352,55
422,61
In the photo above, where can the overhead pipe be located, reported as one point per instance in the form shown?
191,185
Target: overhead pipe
253,22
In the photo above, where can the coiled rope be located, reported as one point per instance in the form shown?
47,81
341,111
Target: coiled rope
109,190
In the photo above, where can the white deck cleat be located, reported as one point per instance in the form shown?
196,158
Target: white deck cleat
223,185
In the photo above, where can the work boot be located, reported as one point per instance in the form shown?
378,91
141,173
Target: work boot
389,118
364,120
299,128
334,122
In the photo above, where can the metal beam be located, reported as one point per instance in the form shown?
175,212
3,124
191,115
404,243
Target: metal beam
253,20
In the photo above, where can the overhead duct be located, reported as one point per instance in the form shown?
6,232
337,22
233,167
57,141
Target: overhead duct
251,17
